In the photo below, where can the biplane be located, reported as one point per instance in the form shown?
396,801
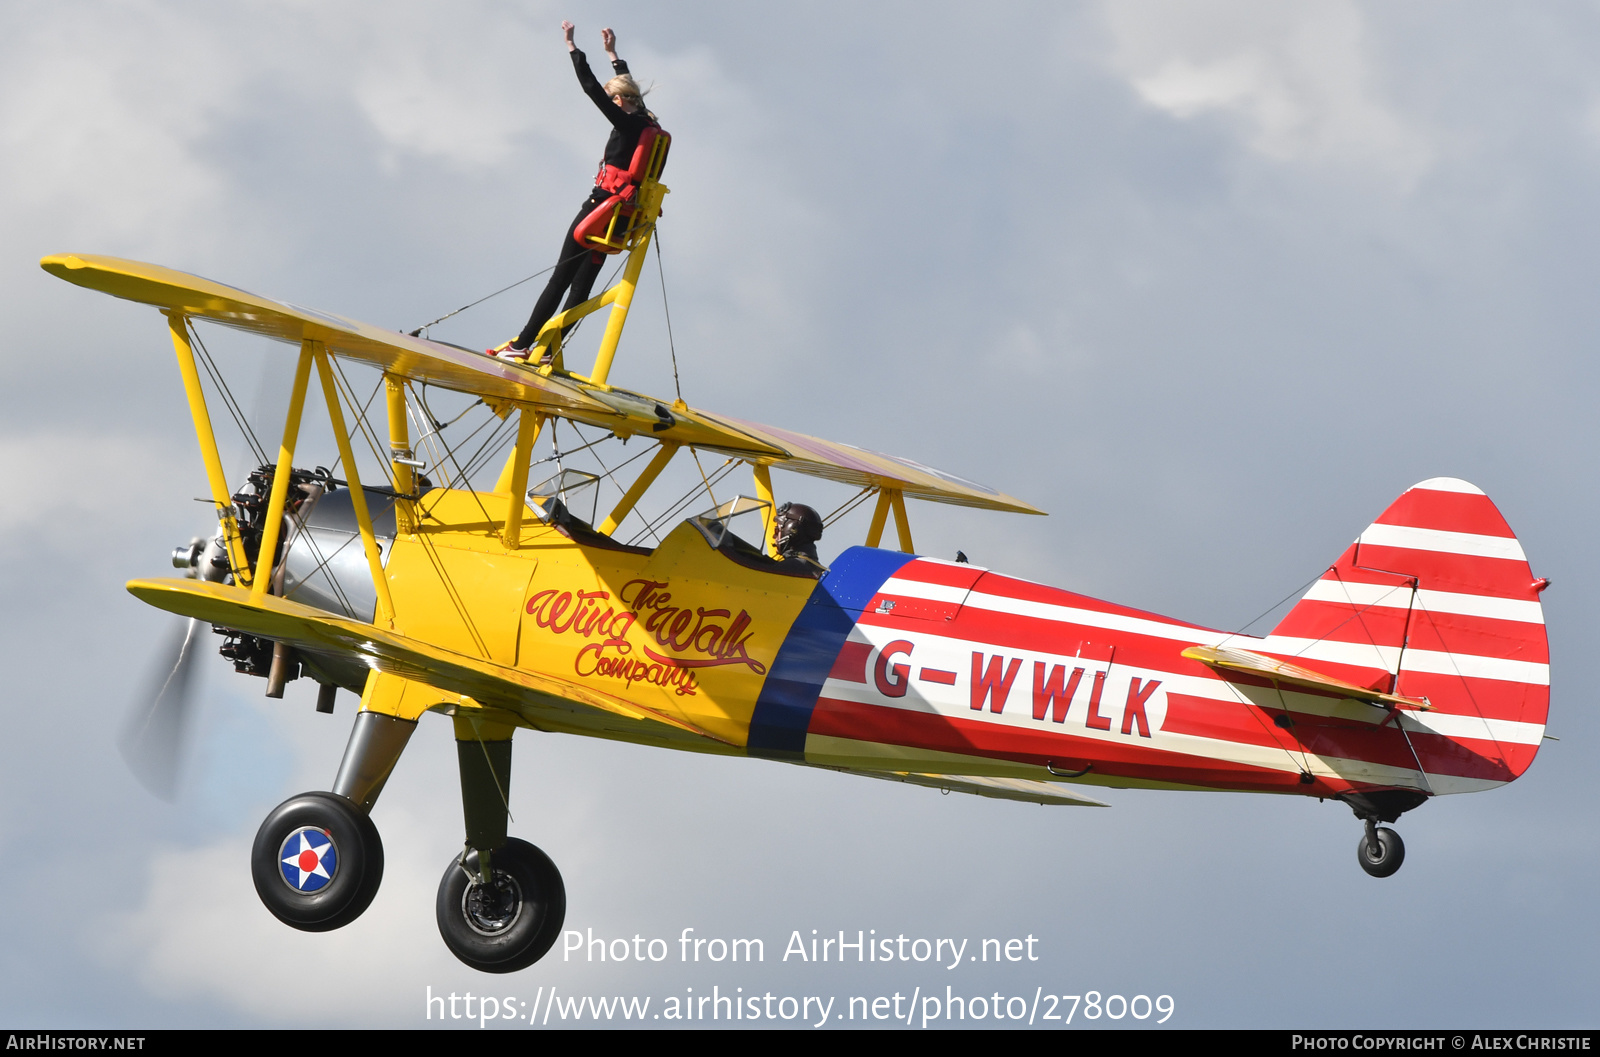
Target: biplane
1416,665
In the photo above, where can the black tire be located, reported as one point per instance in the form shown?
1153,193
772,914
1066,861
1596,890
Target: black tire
509,925
1393,853
298,895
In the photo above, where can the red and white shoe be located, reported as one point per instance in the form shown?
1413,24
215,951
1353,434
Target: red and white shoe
504,351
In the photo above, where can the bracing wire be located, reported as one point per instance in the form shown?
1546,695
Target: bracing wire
611,474
849,504
362,423
439,427
436,436
235,412
1297,591
661,272
595,454
688,497
322,561
420,331
558,455
436,441
703,480
572,331
492,445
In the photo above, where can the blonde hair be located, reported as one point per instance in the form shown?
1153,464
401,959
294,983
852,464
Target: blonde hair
624,85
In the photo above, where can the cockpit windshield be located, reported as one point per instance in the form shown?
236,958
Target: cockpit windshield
716,524
577,491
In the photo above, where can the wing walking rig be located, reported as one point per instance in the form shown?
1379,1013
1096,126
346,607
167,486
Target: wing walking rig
1416,666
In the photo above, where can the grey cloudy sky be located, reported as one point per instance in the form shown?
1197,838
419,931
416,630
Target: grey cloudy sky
1212,284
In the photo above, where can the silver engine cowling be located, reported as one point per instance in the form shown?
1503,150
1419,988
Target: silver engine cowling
325,565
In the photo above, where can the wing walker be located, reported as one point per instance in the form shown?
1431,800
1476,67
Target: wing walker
1415,666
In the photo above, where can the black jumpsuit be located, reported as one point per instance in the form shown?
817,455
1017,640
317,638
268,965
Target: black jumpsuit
576,267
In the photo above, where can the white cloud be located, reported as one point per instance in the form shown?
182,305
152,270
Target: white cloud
1297,81
203,933
435,85
99,136
70,485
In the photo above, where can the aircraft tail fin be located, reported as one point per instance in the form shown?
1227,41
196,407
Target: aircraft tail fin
1436,601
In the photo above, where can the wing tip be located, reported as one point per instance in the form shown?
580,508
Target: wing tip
59,264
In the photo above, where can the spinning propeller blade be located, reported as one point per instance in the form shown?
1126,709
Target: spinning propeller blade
153,740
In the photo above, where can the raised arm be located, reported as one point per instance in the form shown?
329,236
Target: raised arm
608,41
586,78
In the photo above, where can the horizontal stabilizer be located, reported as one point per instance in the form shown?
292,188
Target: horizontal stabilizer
522,692
1234,660
998,788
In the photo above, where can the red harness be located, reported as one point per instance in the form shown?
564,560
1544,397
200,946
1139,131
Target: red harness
625,182
620,185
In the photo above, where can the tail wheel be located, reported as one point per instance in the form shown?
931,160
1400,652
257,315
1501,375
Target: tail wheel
317,862
508,923
1381,851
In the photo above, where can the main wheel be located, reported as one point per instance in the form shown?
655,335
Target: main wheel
317,862
1392,852
509,923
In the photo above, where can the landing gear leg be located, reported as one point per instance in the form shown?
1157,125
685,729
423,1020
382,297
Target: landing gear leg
1381,850
501,901
317,860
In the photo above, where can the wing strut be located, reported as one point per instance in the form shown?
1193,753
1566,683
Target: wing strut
178,323
891,499
358,496
763,476
401,461
631,497
529,425
285,475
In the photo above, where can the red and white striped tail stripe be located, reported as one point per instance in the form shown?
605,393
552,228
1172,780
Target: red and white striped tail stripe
1436,599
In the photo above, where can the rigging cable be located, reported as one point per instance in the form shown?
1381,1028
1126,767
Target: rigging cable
848,505
420,331
492,444
670,346
688,497
702,469
234,410
437,441
342,383
1297,591
610,474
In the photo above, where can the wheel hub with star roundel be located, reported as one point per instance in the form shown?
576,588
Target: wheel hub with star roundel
317,862
309,859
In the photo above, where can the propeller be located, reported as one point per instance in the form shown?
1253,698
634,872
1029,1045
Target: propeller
154,739
155,736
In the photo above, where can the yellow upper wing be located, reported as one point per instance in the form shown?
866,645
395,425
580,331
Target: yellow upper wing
448,367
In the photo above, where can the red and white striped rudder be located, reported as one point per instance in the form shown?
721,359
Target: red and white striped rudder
1436,600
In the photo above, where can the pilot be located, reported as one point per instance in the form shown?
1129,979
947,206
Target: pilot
622,103
796,533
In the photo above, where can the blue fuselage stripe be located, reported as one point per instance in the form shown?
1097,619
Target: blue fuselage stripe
788,697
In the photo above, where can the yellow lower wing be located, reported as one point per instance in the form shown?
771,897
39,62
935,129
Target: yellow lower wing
314,630
1029,792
